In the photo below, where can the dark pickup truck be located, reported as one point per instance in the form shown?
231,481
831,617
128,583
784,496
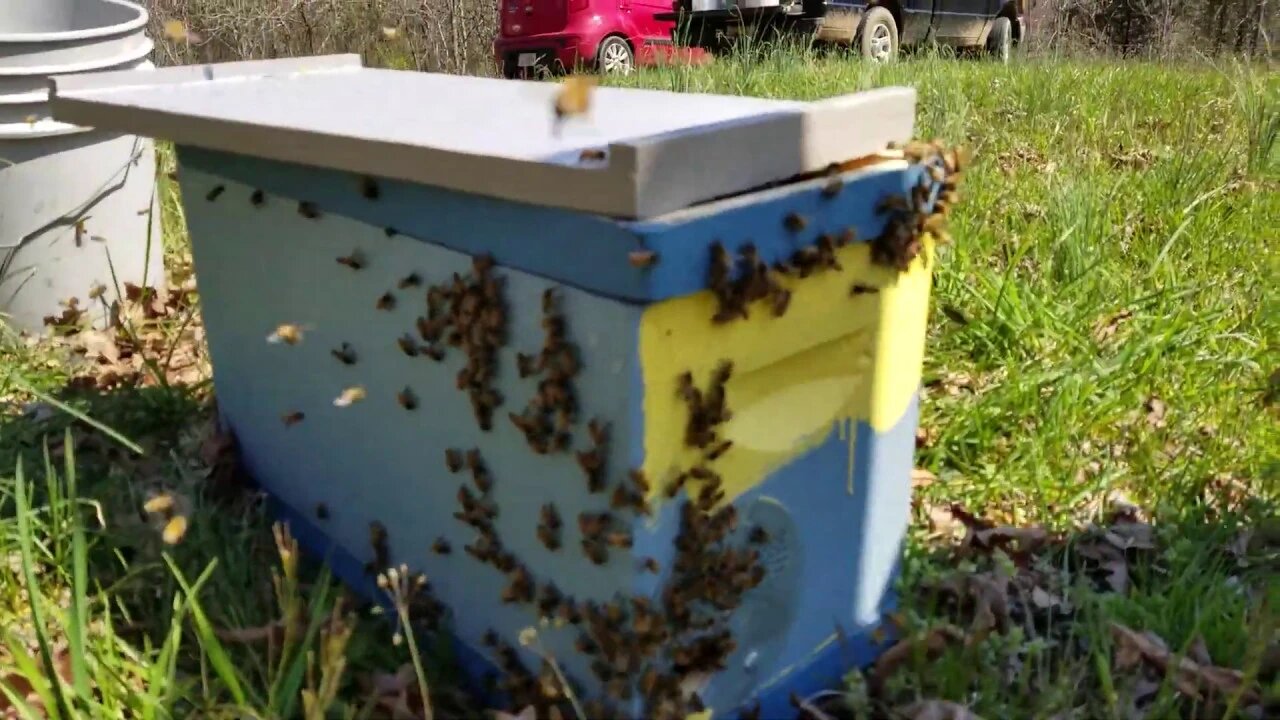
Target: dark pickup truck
876,28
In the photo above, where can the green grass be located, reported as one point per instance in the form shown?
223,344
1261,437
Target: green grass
1101,327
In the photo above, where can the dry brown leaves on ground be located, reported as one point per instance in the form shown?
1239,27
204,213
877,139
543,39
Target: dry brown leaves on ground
150,334
1025,577
1193,674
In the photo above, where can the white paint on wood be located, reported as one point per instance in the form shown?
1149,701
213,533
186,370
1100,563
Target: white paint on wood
665,150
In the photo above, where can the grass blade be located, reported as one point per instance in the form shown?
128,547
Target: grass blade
27,554
79,577
209,642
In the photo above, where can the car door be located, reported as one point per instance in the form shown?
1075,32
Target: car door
917,21
962,22
654,34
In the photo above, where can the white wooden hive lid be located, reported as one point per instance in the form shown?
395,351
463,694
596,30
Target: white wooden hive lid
663,151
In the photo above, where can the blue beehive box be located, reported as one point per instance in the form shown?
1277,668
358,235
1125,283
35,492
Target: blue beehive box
643,380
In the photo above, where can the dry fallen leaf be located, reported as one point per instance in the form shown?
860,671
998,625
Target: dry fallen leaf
929,645
1190,677
1106,328
1155,409
921,478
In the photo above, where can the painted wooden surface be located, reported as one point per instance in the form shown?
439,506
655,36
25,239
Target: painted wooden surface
582,250
661,151
824,398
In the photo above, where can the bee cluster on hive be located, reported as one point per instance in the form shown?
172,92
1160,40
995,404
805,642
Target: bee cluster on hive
653,649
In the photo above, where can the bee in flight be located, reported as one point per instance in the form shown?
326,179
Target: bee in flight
573,99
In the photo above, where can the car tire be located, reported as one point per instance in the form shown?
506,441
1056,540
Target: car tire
1000,39
877,38
614,57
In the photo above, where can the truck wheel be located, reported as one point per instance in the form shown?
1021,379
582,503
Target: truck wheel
1000,39
614,56
878,36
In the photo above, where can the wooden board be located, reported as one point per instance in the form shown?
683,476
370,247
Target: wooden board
663,151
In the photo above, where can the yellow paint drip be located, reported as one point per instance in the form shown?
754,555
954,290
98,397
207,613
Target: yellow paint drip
832,358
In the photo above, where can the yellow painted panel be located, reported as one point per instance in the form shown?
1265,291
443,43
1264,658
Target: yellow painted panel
830,359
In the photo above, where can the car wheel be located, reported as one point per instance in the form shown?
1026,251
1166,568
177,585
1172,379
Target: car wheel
615,57
878,36
1000,39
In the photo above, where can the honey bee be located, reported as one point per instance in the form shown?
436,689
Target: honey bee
441,546
292,418
618,539
258,198
386,301
390,232
720,449
794,222
489,639
322,511
781,300
549,538
408,281
573,99
308,210
847,236
215,193
550,516
473,459
592,525
595,551
650,565
177,31
585,645
832,187
349,396
378,541
407,345
407,399
758,535
860,289
355,260
453,459
174,530
345,354
159,504
591,155
642,258
369,188
287,333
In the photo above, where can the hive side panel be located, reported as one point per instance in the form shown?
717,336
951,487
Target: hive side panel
813,447
579,250
260,265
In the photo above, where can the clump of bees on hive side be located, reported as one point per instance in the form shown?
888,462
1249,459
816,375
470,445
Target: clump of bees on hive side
909,216
547,419
468,313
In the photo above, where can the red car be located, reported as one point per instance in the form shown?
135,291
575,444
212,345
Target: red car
610,36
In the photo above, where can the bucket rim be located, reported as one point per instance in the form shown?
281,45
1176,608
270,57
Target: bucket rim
141,52
140,20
